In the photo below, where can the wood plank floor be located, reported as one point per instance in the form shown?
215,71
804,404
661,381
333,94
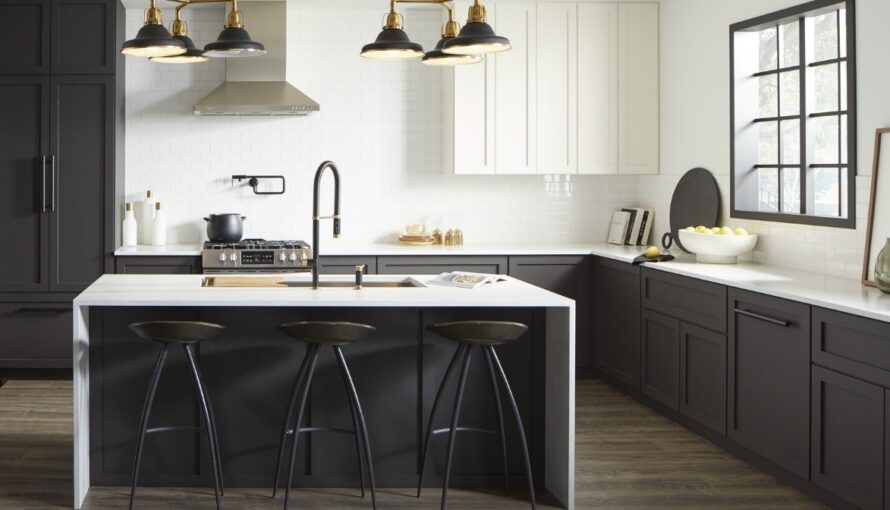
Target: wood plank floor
628,457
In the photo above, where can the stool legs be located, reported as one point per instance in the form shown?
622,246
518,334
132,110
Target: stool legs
455,415
298,383
304,394
429,428
500,409
528,463
143,420
209,424
358,416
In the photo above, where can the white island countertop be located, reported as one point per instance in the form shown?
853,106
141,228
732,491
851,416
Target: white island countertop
186,290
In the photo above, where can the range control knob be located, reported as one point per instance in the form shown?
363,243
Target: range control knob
233,257
282,257
292,257
222,257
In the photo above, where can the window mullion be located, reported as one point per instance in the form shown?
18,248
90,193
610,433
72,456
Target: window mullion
802,82
840,131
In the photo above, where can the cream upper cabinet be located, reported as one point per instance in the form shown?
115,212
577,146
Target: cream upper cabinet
577,94
557,76
515,106
638,88
469,113
598,88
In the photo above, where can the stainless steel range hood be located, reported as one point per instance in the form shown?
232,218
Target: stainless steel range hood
258,85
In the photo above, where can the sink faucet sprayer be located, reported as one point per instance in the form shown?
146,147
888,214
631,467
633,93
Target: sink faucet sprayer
315,217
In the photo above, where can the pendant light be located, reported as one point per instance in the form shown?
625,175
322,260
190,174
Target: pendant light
234,41
437,57
192,54
153,40
477,37
392,43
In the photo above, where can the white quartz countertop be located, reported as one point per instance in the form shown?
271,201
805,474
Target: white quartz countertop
186,290
170,250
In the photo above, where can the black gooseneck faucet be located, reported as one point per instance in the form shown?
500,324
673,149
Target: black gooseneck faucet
316,218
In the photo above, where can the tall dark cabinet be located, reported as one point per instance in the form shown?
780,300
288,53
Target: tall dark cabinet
61,118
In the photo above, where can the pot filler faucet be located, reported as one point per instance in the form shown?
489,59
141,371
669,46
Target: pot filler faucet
316,218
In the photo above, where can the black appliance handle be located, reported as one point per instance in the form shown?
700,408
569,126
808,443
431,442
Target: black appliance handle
763,318
33,310
43,183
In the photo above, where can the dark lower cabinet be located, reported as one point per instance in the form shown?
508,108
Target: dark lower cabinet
703,376
346,265
33,333
567,276
616,320
431,264
660,342
157,265
848,438
886,449
769,378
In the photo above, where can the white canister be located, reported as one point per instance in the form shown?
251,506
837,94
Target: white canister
159,227
129,227
146,216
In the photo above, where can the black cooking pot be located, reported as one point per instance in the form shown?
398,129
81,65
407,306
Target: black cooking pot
225,228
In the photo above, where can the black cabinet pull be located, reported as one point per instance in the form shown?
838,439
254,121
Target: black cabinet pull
52,188
33,310
43,183
763,318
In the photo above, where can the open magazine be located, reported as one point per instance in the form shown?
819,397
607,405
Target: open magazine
465,280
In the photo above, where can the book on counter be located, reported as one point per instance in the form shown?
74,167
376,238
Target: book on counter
465,280
631,226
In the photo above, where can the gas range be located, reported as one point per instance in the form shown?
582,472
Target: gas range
256,256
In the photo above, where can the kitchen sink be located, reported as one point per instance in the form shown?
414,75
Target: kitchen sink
345,284
328,282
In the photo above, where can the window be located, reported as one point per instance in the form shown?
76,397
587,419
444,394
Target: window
793,142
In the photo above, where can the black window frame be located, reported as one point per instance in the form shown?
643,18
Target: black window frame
779,18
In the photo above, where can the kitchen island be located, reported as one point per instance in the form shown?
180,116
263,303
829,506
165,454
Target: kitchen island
251,367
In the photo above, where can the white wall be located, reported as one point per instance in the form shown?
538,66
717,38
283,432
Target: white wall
695,122
380,122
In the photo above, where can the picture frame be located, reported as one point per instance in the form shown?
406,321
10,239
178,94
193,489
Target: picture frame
878,229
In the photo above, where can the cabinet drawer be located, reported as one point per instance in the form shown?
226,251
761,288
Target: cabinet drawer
35,335
157,265
853,345
346,265
693,301
426,264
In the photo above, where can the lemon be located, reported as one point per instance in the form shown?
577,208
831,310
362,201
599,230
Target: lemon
740,231
689,229
726,231
652,252
702,230
715,230
707,231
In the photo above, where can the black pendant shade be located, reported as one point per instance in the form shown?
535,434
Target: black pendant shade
437,57
192,54
392,44
476,38
153,40
234,42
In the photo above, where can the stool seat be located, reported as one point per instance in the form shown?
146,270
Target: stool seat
327,333
177,332
480,332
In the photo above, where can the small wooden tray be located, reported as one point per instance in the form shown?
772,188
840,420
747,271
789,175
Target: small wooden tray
243,281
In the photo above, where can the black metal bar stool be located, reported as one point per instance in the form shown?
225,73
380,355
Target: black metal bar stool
469,334
185,334
317,335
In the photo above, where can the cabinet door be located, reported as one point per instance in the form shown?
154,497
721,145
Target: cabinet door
597,88
84,36
557,77
887,450
660,342
638,88
157,265
82,140
515,105
435,265
566,276
469,114
25,36
24,139
848,437
617,320
769,378
35,335
703,376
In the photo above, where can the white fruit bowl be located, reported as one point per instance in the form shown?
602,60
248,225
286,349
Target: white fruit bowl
717,248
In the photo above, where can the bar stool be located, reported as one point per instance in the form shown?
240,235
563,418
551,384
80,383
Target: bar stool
317,335
469,334
185,334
